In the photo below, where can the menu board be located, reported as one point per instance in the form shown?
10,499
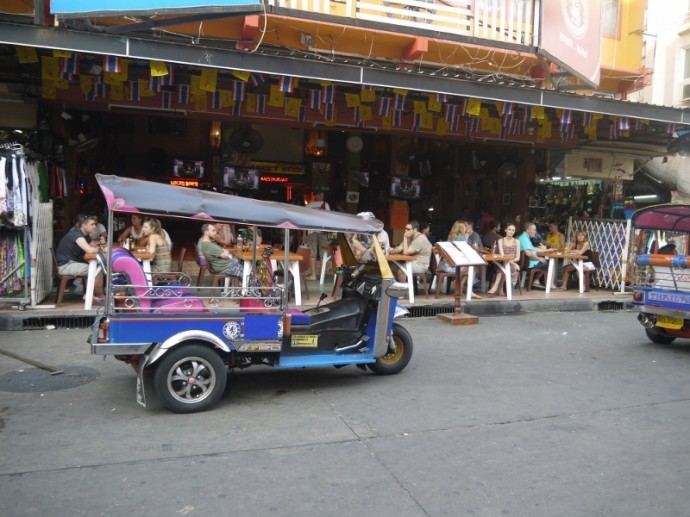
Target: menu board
459,253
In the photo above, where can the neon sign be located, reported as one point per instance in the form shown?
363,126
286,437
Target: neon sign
275,179
180,182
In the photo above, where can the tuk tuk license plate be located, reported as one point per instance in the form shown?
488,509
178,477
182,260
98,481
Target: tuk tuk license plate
669,323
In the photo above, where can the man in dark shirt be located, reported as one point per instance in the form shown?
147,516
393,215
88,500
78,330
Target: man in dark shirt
70,253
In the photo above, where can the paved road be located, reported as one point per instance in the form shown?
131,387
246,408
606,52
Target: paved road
532,415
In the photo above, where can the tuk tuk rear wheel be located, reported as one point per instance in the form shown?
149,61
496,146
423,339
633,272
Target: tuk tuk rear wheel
190,378
398,355
659,338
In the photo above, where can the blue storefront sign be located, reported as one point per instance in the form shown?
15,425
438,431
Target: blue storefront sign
73,8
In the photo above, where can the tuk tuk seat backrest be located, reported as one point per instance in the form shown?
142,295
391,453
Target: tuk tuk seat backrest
125,264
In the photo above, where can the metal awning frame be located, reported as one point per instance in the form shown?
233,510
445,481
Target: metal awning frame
223,58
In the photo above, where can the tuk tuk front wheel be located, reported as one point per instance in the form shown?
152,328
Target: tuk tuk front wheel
658,338
190,378
398,355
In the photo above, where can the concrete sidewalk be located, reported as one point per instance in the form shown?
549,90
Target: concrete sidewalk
71,313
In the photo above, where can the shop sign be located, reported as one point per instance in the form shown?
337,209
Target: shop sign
67,8
275,179
599,165
291,169
184,182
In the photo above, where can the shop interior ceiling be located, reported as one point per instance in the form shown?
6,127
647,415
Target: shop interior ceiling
473,72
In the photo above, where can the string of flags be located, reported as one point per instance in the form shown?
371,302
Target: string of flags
395,108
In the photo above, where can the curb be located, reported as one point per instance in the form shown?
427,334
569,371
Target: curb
79,319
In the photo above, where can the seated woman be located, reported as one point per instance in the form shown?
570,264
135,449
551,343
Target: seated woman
457,233
508,246
157,244
135,232
580,247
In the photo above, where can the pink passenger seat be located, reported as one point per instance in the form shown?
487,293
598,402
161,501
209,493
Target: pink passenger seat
164,299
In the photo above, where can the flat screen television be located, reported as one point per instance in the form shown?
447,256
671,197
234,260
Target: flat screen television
240,178
188,168
403,187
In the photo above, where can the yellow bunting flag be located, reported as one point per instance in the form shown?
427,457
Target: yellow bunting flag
325,83
427,121
473,106
226,99
367,95
330,122
200,102
144,90
276,98
194,88
50,68
365,113
117,91
538,112
433,104
26,55
419,107
62,53
62,84
251,103
442,126
112,78
158,68
292,107
399,91
352,100
48,90
242,76
86,83
208,79
386,122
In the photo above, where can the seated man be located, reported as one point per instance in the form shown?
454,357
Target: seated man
219,260
535,261
414,243
69,254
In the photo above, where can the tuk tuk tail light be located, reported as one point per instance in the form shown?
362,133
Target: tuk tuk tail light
287,325
104,330
638,296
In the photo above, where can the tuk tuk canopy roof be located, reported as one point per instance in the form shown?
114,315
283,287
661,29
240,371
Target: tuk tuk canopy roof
671,217
146,197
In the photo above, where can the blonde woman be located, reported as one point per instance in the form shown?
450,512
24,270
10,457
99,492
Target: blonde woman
158,245
457,233
508,246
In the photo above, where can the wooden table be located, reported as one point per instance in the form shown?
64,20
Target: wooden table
142,256
247,257
553,256
503,263
397,258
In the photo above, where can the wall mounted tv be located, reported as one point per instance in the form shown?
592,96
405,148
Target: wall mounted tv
240,178
188,168
403,187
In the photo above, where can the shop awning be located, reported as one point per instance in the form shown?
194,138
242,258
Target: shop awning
195,55
139,196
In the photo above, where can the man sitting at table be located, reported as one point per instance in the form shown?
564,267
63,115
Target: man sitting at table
414,243
535,261
69,254
220,262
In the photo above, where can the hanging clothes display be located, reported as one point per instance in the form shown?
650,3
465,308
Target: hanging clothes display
18,185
